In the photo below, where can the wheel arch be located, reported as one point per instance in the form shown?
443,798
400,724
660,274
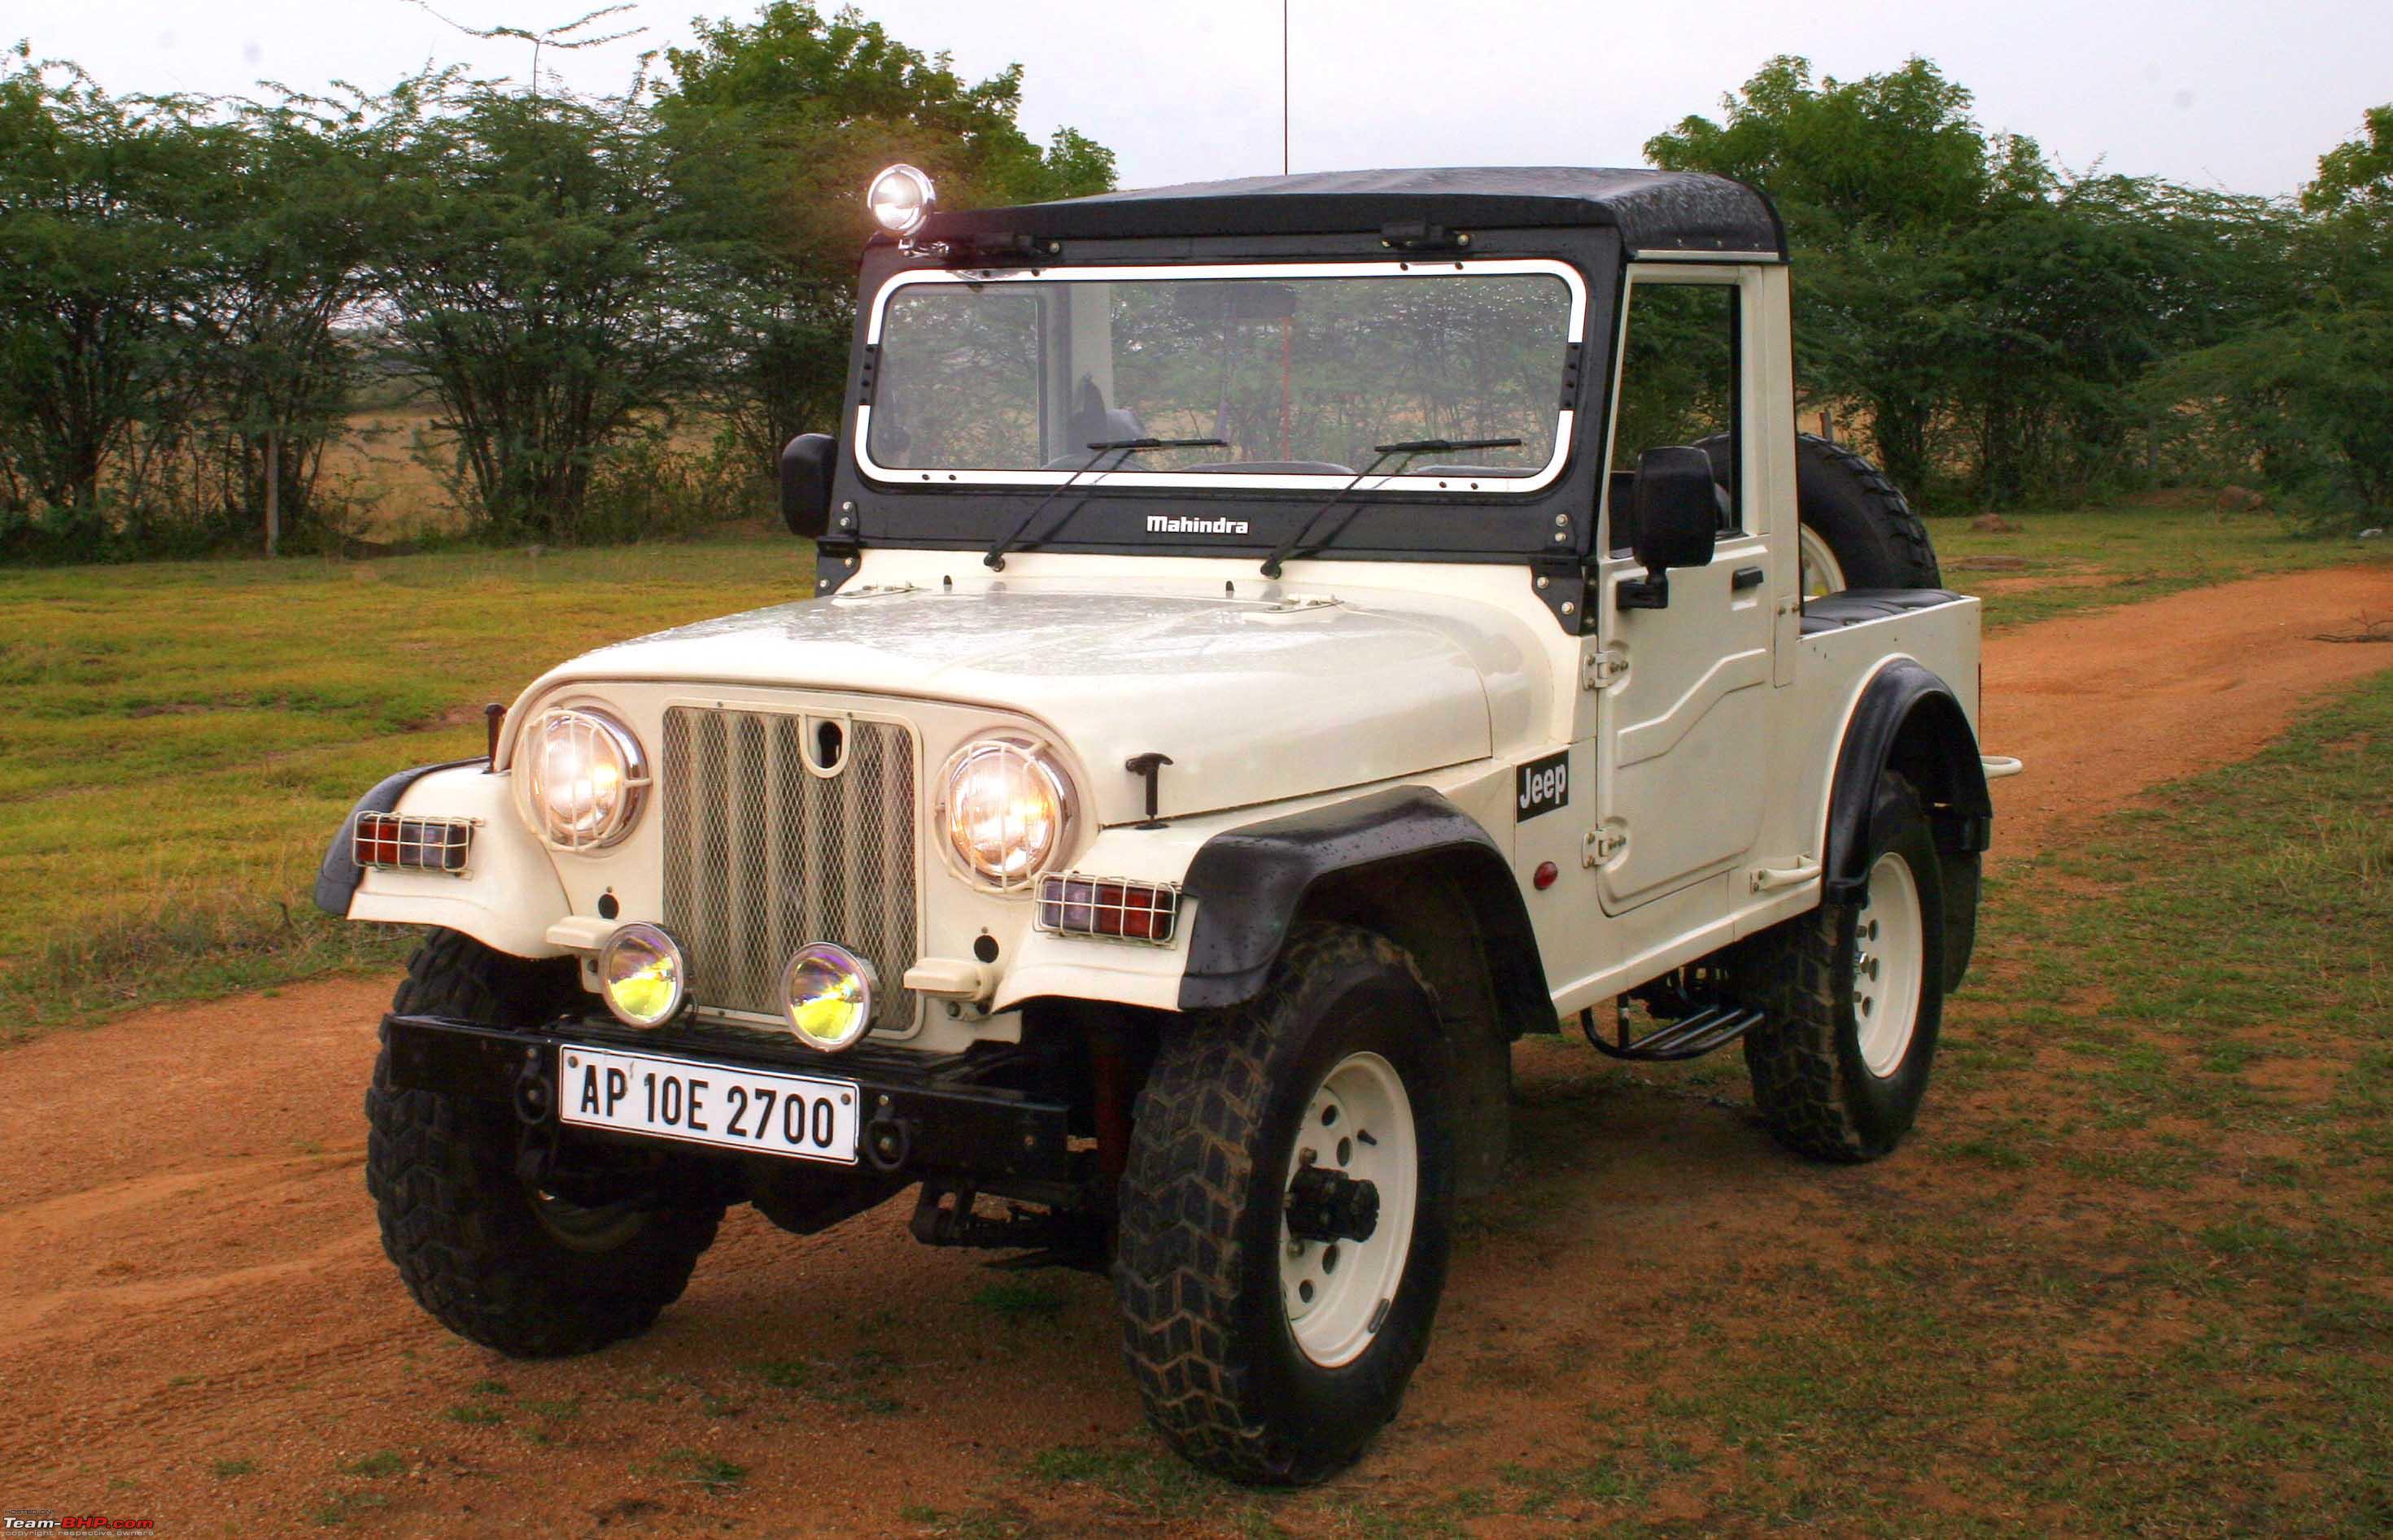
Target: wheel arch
1410,865
1908,719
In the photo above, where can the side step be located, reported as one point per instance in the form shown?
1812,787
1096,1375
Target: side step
1687,1038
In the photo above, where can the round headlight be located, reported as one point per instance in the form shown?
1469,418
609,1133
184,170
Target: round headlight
585,776
1007,806
828,994
900,199
642,976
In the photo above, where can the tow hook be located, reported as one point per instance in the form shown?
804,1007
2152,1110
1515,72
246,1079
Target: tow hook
535,1095
888,1140
1330,1205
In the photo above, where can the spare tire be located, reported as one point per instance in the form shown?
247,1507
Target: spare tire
1858,531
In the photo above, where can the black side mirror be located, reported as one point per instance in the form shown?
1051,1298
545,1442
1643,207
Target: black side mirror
1677,519
805,483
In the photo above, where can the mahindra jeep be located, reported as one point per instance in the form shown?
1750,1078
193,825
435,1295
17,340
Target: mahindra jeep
1273,645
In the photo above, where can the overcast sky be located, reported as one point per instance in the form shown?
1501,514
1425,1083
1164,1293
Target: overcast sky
2229,94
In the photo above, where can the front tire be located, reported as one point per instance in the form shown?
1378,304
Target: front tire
535,1269
1854,994
1262,1355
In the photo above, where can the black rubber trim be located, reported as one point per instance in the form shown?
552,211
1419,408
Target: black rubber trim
1250,885
1905,699
952,1122
337,878
1854,606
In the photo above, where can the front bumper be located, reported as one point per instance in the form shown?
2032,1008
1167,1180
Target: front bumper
942,1114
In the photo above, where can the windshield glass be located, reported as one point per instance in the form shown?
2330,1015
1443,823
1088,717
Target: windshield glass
1300,373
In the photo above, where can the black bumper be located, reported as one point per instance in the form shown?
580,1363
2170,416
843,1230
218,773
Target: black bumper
951,1118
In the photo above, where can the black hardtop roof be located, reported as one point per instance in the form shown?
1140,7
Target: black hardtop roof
1679,211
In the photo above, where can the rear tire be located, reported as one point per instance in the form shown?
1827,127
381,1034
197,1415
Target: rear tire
496,1259
1261,1357
1858,531
1854,996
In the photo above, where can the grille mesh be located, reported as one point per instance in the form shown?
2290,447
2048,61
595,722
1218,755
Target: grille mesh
763,856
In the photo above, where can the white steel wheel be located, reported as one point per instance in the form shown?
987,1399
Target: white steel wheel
1359,1123
1822,574
1888,964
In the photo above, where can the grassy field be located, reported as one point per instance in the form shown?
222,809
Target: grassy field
2057,563
183,737
2132,1276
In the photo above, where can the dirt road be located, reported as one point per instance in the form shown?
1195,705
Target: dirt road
197,1326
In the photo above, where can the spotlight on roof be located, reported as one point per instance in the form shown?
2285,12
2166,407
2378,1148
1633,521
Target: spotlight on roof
901,198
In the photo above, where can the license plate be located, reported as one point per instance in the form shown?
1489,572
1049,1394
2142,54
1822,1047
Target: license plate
720,1105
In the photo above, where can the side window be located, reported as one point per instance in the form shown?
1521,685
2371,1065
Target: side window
1678,386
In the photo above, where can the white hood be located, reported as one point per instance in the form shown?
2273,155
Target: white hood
1252,701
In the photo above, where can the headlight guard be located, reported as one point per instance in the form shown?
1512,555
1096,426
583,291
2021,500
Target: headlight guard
1007,806
585,776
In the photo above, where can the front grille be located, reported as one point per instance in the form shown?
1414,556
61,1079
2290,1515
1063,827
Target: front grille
763,856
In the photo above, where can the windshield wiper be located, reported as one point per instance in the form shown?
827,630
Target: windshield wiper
995,559
1408,449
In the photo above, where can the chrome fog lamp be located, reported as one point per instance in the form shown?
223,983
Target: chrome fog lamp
642,976
585,777
901,198
830,994
1007,806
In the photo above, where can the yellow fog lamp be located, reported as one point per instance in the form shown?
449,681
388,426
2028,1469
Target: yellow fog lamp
828,993
643,976
901,198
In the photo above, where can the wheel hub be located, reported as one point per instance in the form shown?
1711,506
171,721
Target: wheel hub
1330,1205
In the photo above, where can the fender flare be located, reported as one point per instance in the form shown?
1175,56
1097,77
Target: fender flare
338,876
1906,712
1250,882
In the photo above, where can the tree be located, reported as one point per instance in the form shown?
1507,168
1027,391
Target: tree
1878,180
534,280
774,126
95,198
2306,395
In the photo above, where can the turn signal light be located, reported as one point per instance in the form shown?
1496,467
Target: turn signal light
393,841
1073,905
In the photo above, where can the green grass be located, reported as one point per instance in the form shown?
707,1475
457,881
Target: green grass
182,739
2060,563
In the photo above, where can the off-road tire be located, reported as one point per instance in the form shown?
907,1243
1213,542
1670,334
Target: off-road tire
458,1221
1848,503
1810,1082
1197,1266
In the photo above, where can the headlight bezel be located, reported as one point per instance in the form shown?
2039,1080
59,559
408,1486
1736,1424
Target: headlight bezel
632,784
1049,767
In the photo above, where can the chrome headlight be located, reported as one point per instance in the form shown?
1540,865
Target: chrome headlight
585,777
1007,806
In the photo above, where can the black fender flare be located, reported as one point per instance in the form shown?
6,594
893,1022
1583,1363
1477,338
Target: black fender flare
1250,882
338,876
1906,717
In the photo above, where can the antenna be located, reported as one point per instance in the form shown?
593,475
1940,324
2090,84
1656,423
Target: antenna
1283,87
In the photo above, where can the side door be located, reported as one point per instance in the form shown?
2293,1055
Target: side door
1683,721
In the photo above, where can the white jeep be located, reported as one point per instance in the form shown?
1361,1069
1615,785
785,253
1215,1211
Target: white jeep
1277,642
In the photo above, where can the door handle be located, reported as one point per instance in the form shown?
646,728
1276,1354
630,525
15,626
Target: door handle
1744,577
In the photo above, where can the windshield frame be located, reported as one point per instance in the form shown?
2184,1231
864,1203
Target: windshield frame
1504,487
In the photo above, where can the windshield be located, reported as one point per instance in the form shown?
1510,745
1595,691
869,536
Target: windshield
1300,373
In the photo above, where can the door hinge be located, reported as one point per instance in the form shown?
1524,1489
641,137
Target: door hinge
1603,844
1609,666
